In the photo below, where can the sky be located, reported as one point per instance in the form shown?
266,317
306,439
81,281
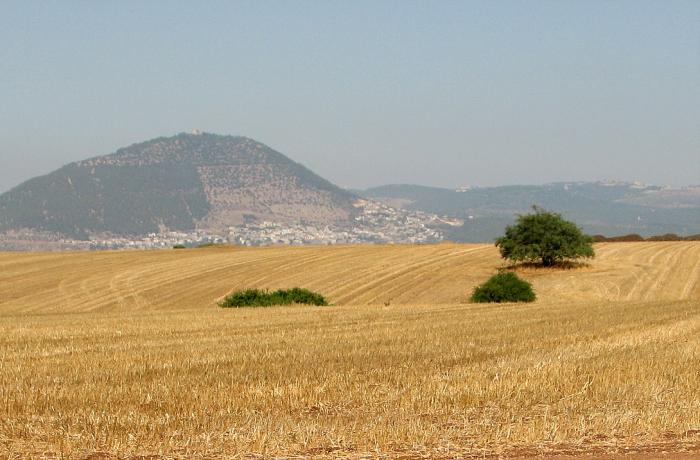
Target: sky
364,93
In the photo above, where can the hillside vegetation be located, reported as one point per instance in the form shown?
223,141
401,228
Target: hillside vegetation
122,354
178,183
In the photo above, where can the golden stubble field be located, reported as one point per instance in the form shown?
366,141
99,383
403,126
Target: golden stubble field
120,354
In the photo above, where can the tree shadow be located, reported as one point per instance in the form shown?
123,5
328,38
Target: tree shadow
539,266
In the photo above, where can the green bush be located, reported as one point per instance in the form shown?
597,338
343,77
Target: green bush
179,246
504,287
260,298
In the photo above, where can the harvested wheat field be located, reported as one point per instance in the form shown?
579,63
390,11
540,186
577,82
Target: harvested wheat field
121,354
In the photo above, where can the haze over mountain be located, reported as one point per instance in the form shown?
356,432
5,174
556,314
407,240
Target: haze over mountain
438,93
185,182
609,208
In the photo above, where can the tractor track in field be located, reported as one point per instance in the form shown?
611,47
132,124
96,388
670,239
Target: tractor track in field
347,275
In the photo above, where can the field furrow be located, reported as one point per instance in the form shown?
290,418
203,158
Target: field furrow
445,273
125,354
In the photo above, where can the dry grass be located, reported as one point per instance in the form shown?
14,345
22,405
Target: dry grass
607,358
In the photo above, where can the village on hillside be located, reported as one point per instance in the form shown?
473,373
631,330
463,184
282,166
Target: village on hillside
374,222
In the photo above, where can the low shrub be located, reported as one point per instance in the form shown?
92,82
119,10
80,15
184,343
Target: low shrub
632,237
666,237
179,246
636,237
265,298
504,287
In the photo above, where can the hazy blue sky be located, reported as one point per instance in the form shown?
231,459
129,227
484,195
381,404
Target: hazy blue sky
364,93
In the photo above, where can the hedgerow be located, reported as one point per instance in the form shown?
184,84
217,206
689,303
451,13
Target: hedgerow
265,298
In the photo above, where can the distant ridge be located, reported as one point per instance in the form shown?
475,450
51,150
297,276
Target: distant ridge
184,182
607,208
206,183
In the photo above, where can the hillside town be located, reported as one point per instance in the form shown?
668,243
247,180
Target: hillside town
374,222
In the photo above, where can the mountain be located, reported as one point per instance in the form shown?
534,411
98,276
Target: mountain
609,208
185,182
208,183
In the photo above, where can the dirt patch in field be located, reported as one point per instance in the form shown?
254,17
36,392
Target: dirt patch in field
679,452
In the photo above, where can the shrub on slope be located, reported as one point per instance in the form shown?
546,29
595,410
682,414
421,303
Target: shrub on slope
264,298
504,287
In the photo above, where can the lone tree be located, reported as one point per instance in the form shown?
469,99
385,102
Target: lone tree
544,236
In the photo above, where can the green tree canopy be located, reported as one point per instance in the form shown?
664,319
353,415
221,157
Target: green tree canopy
546,237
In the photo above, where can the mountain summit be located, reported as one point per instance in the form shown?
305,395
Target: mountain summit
185,182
